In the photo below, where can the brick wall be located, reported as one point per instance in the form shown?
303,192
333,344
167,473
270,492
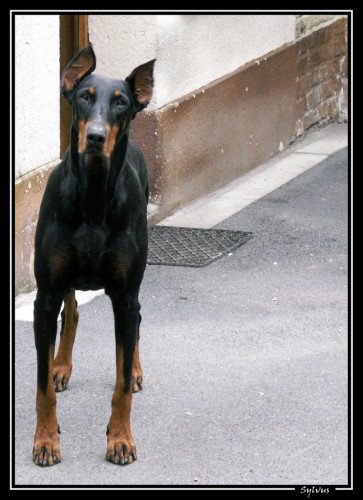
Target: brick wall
322,70
306,23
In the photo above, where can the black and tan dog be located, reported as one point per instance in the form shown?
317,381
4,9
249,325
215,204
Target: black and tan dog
92,234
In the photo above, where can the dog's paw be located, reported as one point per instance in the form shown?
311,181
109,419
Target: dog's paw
46,448
61,376
120,451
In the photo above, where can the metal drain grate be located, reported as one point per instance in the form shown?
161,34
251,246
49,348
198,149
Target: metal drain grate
191,247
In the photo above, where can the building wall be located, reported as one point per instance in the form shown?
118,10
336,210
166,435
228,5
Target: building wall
213,46
36,91
191,50
36,129
221,130
306,23
122,42
322,75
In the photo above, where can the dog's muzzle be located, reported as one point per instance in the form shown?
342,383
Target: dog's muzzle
95,138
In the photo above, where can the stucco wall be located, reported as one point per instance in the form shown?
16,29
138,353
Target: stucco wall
36,91
191,50
122,42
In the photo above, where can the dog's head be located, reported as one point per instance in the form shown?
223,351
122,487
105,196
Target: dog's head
103,107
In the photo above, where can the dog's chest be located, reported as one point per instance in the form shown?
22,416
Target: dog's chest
90,243
103,258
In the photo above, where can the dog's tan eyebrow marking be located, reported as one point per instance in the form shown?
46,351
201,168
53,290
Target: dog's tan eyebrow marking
92,90
117,93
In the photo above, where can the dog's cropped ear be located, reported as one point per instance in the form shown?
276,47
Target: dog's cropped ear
141,83
80,66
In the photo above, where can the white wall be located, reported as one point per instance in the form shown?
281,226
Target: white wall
122,42
191,50
36,91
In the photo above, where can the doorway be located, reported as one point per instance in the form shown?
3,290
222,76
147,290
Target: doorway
73,36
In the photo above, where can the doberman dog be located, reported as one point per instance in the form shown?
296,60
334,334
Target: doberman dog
92,234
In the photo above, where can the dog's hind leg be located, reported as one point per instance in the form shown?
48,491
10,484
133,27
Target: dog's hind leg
62,367
136,377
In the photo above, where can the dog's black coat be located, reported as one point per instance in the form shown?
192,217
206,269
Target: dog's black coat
92,227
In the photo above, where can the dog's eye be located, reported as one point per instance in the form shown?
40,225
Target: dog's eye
120,102
85,96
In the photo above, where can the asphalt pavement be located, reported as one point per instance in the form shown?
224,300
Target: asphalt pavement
245,361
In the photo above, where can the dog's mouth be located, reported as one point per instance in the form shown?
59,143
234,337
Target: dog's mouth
96,164
95,150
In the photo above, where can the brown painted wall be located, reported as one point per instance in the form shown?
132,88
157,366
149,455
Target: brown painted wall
227,128
28,195
143,132
208,138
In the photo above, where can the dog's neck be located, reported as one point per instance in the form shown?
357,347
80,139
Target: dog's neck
97,177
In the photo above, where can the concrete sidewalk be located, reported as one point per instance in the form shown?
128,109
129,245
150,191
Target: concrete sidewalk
245,360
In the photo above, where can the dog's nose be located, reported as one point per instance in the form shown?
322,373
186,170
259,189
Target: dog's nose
96,134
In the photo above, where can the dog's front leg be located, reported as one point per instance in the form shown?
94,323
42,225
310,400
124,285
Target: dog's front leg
120,443
46,449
